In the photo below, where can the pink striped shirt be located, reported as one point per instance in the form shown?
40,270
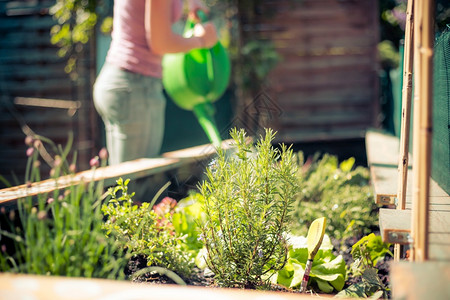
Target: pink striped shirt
129,48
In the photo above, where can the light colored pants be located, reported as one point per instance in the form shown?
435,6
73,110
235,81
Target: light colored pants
132,107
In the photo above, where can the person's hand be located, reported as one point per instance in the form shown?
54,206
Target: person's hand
207,34
194,6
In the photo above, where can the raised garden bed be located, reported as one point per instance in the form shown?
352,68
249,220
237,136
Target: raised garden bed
314,172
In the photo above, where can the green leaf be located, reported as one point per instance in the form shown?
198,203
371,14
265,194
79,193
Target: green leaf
326,266
377,295
339,282
347,165
356,290
370,276
335,266
286,275
299,271
200,260
324,286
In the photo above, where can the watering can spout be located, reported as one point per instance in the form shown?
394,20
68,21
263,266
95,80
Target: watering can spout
203,112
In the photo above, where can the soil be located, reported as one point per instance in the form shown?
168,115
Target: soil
198,277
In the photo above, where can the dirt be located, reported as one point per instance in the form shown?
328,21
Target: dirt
198,277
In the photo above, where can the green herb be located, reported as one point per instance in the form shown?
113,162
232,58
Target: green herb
60,233
248,198
370,286
145,231
366,253
339,189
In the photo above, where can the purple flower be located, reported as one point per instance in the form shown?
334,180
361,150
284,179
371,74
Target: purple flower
201,237
29,141
58,161
103,154
94,162
30,151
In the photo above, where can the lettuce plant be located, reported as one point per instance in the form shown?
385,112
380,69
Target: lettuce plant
186,218
248,198
327,272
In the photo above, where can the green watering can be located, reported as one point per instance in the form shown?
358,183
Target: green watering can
196,79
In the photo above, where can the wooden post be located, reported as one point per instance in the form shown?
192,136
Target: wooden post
423,48
406,114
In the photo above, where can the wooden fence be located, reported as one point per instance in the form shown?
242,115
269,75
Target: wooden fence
31,76
326,86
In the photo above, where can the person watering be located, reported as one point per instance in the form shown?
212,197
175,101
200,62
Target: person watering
128,93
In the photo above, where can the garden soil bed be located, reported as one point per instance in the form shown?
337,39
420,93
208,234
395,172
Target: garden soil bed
198,277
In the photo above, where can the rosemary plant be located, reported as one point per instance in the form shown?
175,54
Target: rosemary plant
248,199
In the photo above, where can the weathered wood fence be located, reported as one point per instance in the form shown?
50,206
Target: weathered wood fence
326,86
32,76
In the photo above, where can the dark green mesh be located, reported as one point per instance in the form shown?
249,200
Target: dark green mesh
441,112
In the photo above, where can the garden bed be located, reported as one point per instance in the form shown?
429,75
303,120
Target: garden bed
172,233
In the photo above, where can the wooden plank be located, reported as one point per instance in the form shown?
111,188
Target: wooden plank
302,82
11,5
33,22
131,169
306,52
397,221
326,106
287,70
300,101
29,86
26,72
322,44
29,56
384,179
299,33
426,280
331,62
382,148
20,286
26,39
292,135
324,117
323,11
303,95
327,54
311,90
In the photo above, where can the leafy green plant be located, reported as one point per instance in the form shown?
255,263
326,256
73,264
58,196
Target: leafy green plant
339,189
60,233
145,231
248,197
327,272
366,253
186,219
